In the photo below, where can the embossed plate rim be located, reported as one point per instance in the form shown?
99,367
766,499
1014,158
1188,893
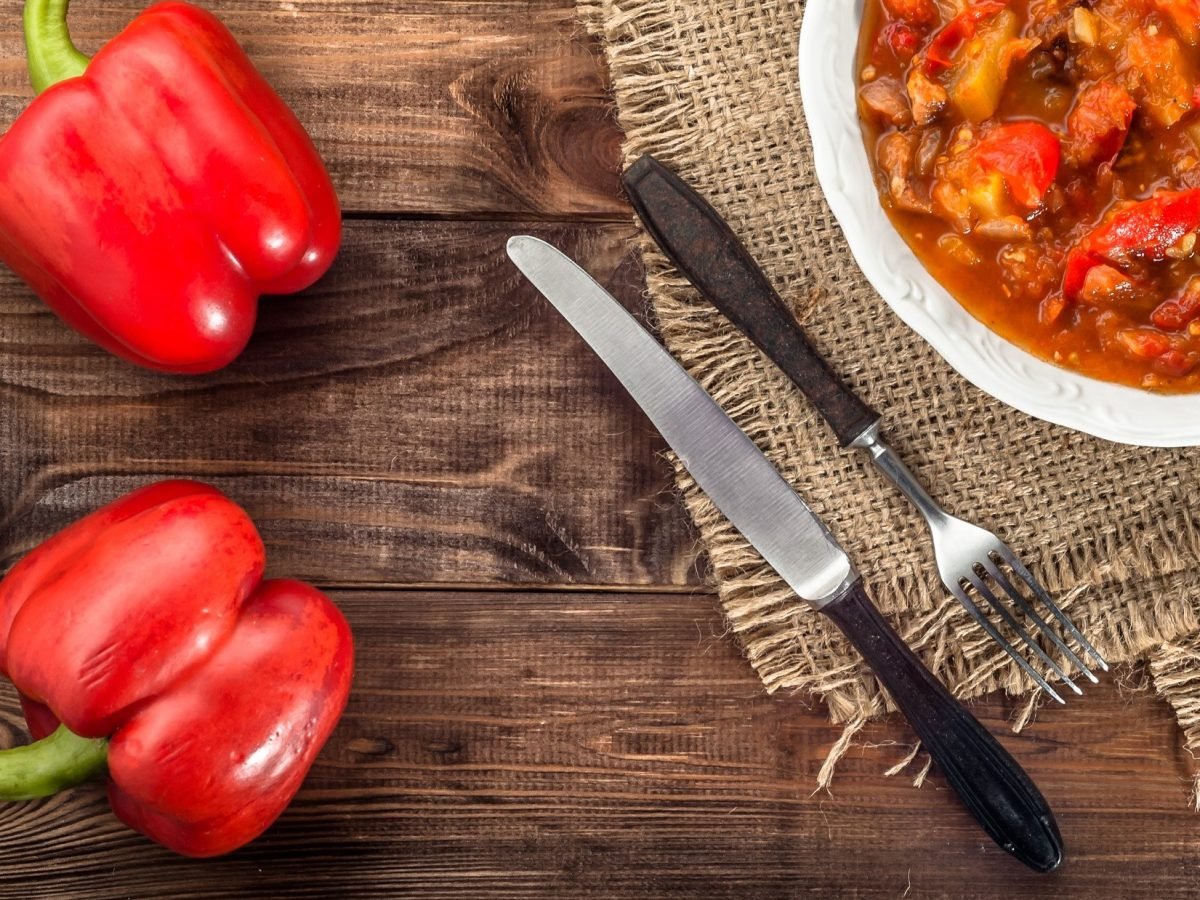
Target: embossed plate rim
828,43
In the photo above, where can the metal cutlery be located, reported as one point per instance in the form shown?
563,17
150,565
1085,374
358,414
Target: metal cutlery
969,558
744,485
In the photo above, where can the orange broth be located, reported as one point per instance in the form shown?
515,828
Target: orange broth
986,223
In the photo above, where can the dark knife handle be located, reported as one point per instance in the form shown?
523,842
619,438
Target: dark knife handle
705,249
990,783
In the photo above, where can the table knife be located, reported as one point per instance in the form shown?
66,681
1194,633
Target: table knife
756,499
969,558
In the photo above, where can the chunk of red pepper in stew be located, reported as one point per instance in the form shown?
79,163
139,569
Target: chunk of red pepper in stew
1042,157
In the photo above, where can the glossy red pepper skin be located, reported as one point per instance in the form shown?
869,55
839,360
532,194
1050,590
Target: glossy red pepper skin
1146,229
151,201
147,622
281,681
1026,155
956,32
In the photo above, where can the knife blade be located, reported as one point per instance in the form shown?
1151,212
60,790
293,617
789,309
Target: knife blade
705,249
725,463
757,500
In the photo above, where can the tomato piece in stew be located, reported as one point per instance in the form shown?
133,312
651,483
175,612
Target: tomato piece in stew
1042,158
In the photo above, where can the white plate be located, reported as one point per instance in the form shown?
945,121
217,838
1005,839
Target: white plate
828,44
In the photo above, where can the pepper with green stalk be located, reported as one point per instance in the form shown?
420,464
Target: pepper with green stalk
152,194
147,631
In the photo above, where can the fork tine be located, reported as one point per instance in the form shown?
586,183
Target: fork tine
1000,578
985,592
986,625
1017,566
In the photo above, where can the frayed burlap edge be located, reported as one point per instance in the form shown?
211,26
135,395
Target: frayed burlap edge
1175,669
770,622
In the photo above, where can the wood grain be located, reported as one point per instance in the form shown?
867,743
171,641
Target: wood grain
564,745
421,416
486,108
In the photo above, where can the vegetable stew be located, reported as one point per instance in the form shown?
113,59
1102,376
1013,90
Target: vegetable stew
1042,158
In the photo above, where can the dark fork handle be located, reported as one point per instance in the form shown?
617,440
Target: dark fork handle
705,249
993,787
990,783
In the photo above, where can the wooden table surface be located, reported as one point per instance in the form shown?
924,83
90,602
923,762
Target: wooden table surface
545,704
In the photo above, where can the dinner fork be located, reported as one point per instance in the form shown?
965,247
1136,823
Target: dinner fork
969,558
969,555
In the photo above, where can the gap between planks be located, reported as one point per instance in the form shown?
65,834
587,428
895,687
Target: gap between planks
491,217
491,587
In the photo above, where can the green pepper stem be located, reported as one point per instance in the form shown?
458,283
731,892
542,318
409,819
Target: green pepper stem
56,762
51,55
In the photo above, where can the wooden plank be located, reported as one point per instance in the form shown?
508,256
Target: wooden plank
445,107
421,416
602,745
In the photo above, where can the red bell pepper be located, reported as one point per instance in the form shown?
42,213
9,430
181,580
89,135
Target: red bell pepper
1146,229
956,32
1099,122
1025,154
145,628
150,196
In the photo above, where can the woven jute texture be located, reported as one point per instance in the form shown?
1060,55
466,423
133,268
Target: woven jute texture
710,88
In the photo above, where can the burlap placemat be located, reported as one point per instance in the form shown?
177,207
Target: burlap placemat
710,88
